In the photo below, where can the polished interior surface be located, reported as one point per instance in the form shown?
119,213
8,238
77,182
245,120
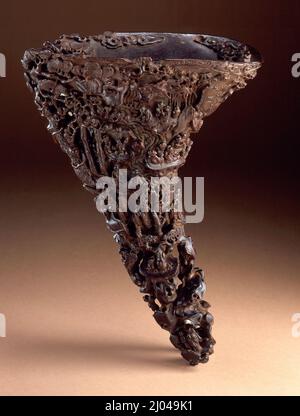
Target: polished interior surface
176,46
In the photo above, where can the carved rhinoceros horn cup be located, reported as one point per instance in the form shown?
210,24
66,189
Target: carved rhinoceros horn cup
131,101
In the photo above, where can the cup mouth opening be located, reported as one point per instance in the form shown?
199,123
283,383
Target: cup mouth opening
159,46
255,56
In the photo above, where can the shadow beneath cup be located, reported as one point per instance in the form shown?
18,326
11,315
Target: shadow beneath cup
101,353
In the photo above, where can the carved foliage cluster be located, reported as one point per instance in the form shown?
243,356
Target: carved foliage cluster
155,102
226,49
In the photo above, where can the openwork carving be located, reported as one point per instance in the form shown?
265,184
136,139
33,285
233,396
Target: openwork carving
110,113
226,49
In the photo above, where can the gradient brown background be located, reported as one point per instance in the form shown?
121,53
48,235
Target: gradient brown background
75,322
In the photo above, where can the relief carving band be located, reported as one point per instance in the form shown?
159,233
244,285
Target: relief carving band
131,101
